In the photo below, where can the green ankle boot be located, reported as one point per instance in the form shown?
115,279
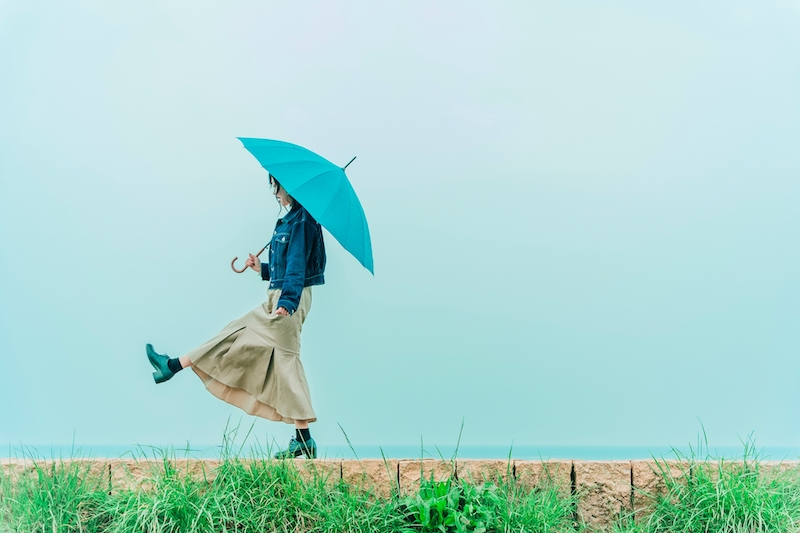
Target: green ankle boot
159,362
297,448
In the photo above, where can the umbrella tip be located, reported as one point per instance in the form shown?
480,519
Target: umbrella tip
348,164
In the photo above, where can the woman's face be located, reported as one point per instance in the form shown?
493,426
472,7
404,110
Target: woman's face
280,194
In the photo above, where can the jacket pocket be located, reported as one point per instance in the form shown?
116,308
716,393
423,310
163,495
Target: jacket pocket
278,247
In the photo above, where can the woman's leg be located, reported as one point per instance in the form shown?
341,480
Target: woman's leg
301,444
186,363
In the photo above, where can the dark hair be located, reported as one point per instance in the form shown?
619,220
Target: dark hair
277,185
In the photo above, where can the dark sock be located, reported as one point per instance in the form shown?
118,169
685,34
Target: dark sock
174,365
302,434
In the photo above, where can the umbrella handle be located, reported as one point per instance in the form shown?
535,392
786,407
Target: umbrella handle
245,268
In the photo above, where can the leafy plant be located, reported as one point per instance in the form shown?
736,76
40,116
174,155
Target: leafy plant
450,506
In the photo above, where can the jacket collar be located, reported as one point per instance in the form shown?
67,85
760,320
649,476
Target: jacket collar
291,215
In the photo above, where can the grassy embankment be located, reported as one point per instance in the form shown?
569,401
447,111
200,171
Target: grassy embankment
259,494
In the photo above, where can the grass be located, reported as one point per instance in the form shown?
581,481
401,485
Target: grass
716,495
60,496
258,494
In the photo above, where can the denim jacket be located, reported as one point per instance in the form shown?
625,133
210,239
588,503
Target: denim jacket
296,257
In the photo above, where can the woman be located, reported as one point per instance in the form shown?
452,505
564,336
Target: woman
254,363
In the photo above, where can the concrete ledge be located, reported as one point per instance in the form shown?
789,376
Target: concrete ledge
605,490
373,475
778,468
648,481
94,469
134,474
545,474
325,471
410,472
478,471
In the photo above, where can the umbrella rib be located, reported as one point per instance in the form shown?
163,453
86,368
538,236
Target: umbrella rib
338,191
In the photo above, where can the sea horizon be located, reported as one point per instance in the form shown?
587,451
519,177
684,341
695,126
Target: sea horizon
404,451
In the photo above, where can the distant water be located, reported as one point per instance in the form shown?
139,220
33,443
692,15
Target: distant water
598,453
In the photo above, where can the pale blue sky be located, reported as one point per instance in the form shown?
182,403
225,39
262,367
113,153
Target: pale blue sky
584,215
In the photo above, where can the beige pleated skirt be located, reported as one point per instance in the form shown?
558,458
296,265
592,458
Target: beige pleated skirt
254,363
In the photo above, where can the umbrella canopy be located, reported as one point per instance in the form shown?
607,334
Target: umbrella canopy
322,188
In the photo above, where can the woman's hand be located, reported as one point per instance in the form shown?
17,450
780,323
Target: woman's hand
254,263
282,311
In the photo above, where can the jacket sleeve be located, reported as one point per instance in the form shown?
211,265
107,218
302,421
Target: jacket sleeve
296,258
265,271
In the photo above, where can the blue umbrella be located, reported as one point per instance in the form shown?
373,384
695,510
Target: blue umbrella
322,188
